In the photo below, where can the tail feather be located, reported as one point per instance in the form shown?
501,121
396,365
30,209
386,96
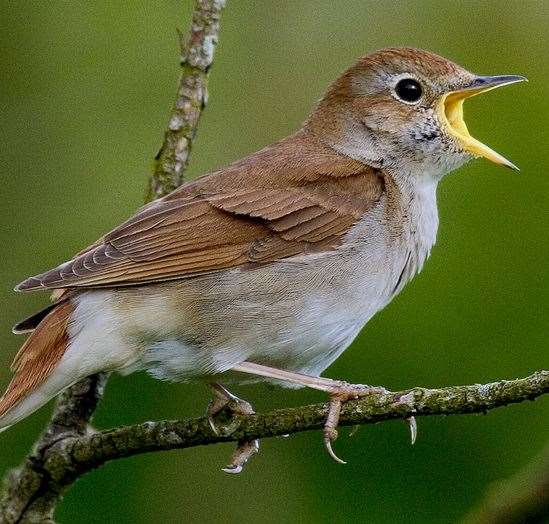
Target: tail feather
37,358
31,323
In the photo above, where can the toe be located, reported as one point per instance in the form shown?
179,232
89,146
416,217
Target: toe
241,455
328,445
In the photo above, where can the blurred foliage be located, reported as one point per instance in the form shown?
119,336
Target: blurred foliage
85,92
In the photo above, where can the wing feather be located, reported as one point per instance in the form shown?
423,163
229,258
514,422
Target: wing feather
257,211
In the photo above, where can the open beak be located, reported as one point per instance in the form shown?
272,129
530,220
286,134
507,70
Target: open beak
451,112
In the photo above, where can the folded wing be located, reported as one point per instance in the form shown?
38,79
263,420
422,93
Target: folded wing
227,220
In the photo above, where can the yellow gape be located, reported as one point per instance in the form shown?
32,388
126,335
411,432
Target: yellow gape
450,111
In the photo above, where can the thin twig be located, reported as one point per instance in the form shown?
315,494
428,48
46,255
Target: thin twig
192,95
31,492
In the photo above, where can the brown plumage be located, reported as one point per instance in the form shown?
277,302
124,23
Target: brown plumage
38,356
296,197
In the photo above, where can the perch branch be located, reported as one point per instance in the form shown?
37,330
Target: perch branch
30,493
66,460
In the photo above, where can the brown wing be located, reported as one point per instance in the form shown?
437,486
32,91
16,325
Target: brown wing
258,210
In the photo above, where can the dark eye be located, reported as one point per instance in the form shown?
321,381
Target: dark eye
408,90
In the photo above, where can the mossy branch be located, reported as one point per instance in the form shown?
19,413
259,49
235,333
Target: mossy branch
197,55
65,460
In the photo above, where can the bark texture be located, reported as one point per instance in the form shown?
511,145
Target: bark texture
60,458
197,52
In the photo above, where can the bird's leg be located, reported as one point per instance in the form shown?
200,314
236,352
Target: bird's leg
339,392
224,400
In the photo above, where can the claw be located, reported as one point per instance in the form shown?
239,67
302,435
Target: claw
338,396
224,400
354,430
241,455
412,423
328,445
330,431
233,470
211,421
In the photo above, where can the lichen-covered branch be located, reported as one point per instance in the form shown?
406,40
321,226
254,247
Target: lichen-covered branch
93,450
66,460
192,95
30,493
524,497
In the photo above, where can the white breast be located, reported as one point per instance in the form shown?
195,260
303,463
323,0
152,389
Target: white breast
328,298
420,233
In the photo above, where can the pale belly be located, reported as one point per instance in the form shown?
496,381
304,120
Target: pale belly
288,315
298,314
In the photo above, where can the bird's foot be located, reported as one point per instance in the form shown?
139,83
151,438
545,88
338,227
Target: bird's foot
340,393
225,404
244,450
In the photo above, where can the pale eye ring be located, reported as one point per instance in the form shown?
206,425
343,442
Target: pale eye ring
408,90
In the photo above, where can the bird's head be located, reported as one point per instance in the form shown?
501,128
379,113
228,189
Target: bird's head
402,108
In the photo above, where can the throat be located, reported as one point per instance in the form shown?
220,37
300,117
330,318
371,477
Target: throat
418,219
424,208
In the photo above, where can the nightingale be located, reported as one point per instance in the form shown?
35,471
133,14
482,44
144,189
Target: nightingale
266,269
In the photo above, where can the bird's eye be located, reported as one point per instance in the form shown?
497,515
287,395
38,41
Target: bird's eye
408,90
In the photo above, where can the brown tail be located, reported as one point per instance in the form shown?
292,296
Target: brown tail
38,357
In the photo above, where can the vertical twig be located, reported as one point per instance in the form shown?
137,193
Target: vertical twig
31,492
192,95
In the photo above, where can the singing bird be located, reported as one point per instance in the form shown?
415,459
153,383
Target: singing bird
266,269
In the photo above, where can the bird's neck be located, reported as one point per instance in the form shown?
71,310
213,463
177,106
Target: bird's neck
362,139
415,210
334,126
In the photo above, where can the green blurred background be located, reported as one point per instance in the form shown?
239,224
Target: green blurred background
85,92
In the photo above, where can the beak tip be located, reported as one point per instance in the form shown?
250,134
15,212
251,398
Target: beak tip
512,166
521,78
482,84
